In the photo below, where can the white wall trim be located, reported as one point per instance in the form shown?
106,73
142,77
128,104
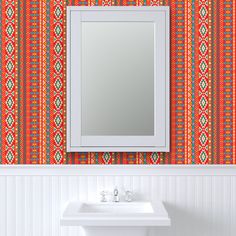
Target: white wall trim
197,205
117,170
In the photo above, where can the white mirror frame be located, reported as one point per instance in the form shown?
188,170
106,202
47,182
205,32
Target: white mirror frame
160,141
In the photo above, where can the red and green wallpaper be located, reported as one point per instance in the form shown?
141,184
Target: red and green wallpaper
33,83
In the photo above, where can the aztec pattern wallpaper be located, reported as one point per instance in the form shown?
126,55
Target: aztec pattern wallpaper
33,83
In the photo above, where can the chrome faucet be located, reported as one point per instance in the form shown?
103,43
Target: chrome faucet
128,196
103,196
116,195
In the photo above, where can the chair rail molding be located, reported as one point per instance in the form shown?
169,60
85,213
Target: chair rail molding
120,170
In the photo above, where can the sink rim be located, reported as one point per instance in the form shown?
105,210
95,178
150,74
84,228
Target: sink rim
136,208
71,215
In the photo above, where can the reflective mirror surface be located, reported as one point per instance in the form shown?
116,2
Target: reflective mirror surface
117,78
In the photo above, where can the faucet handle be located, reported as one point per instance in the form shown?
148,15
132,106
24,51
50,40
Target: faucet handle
128,196
103,196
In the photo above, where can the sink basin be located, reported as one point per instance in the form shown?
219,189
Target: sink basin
116,208
141,214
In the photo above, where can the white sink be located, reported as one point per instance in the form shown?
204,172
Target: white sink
111,218
116,208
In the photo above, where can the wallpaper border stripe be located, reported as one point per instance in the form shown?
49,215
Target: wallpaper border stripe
117,170
33,84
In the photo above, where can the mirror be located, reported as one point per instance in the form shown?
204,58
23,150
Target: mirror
119,60
117,79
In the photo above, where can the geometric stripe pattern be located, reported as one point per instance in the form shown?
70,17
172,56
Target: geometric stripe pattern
203,81
33,83
9,111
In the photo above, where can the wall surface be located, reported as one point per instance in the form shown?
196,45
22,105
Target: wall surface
33,84
200,201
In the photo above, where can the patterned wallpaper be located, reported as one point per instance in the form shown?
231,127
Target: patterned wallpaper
33,84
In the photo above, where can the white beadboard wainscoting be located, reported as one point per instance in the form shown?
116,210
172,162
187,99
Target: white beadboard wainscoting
200,200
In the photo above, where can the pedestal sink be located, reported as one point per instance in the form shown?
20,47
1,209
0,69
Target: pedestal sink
115,219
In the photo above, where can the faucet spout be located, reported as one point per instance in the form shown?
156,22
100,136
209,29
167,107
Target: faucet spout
116,195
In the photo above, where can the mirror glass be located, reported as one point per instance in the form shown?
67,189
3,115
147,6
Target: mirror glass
117,78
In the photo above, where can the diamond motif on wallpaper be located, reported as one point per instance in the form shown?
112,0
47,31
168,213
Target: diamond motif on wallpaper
58,30
58,156
10,102
203,11
58,102
58,48
203,84
203,120
154,3
203,102
10,138
10,48
9,30
203,139
58,12
10,11
106,157
203,30
203,156
58,120
10,66
58,138
9,120
108,3
154,157
58,66
58,84
10,84
10,156
203,66
203,48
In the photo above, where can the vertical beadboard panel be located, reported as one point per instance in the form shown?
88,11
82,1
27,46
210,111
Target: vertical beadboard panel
207,203
64,193
11,206
37,200
197,205
20,205
28,207
233,206
46,205
3,208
